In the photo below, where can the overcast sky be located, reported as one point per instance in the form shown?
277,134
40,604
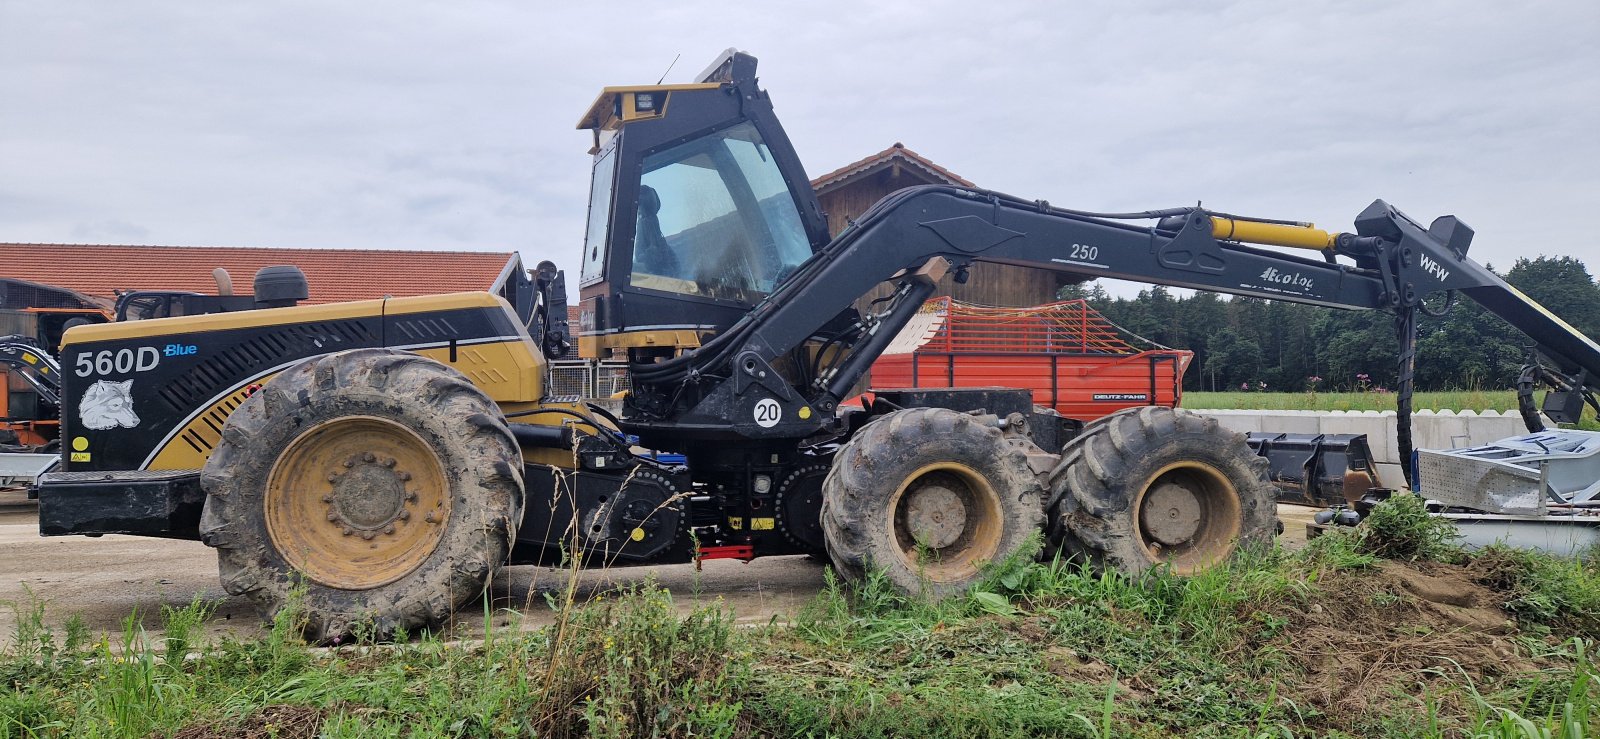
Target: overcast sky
450,125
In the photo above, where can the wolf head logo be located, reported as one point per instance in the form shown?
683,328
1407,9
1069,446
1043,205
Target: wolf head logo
108,404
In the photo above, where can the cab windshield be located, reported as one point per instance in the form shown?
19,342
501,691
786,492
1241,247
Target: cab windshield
716,219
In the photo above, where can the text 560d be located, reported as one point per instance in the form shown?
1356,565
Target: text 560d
121,361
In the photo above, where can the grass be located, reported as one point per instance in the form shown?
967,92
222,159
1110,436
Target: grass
1320,642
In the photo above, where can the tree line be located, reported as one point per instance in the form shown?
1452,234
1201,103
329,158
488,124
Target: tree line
1250,343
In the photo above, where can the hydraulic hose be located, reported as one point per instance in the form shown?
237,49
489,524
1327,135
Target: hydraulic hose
1405,325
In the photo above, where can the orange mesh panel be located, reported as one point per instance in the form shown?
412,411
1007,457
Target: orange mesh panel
1066,326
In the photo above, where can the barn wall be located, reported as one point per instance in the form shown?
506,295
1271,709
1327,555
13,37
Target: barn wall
989,284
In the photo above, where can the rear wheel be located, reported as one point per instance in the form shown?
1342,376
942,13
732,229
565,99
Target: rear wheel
1151,487
928,495
383,483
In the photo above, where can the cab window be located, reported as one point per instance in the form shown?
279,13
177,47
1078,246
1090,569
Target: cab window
594,241
716,219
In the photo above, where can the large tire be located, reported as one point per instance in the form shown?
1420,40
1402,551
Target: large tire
382,482
1160,487
933,482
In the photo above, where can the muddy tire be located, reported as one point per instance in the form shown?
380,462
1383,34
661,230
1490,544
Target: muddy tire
933,482
382,482
1159,487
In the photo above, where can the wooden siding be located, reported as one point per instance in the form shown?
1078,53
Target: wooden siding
989,284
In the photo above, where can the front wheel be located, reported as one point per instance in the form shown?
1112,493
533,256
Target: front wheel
1160,487
927,496
382,483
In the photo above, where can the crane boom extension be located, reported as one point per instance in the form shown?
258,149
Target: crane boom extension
1397,264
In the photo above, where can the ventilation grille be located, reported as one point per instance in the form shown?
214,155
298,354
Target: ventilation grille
204,436
259,353
414,330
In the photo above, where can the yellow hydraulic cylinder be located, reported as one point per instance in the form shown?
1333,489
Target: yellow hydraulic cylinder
1273,234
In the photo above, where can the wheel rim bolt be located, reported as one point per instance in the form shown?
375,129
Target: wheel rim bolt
333,516
348,531
405,515
327,498
388,462
430,518
389,529
368,457
411,497
333,477
367,535
405,477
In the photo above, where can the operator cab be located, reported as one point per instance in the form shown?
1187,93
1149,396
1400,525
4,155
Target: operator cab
698,209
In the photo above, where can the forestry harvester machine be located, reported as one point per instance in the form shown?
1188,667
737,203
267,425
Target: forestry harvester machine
390,455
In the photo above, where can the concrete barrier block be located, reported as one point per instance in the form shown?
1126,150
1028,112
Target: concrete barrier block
1293,422
1379,431
1445,429
1442,430
1492,426
1243,422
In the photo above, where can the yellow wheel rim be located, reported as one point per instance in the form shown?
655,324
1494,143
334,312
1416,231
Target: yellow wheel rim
356,502
1187,516
950,512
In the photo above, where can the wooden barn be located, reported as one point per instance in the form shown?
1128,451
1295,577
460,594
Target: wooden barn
848,191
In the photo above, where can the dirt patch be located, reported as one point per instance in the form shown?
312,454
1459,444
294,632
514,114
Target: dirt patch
1369,638
1067,664
282,721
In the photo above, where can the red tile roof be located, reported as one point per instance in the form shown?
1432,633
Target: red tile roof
883,158
334,275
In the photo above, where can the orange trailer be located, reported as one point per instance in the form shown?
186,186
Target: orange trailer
1071,357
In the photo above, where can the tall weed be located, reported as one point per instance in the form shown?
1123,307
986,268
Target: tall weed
1401,528
631,667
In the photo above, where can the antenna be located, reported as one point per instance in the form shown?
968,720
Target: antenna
669,68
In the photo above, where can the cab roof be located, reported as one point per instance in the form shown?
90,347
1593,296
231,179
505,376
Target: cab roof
608,112
603,116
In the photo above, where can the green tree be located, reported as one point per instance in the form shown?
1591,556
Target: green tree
1468,347
1355,343
1202,317
1563,285
1236,361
